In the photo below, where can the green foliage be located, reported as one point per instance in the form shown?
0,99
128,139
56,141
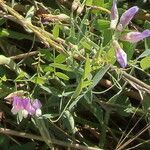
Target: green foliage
145,63
70,66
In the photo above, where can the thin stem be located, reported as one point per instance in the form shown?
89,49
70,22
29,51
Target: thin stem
131,140
20,56
39,138
127,135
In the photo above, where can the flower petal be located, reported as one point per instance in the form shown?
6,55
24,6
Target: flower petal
14,110
31,110
38,112
134,37
25,113
36,104
120,54
25,102
114,15
25,106
127,17
33,106
17,105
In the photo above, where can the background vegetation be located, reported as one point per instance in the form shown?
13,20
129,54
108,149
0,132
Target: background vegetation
60,52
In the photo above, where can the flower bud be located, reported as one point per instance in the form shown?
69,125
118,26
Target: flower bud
134,37
120,54
114,15
127,17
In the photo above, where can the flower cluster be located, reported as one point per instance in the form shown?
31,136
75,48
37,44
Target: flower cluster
131,37
26,106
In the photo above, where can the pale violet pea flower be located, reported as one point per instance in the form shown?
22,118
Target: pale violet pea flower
26,107
131,37
134,37
114,15
127,17
36,104
120,54
124,19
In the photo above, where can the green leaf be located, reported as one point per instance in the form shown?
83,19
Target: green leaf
99,75
102,24
145,63
46,54
111,56
47,68
87,68
85,44
107,36
123,100
129,49
61,66
89,2
47,89
62,76
21,76
14,35
60,59
38,80
88,96
98,3
144,54
97,112
68,121
88,44
78,89
55,30
146,102
75,101
86,83
94,109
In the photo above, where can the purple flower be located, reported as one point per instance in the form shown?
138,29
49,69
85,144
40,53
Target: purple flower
134,37
37,105
25,106
127,17
120,54
131,37
114,15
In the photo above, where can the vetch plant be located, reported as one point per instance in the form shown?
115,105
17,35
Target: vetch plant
131,37
26,106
